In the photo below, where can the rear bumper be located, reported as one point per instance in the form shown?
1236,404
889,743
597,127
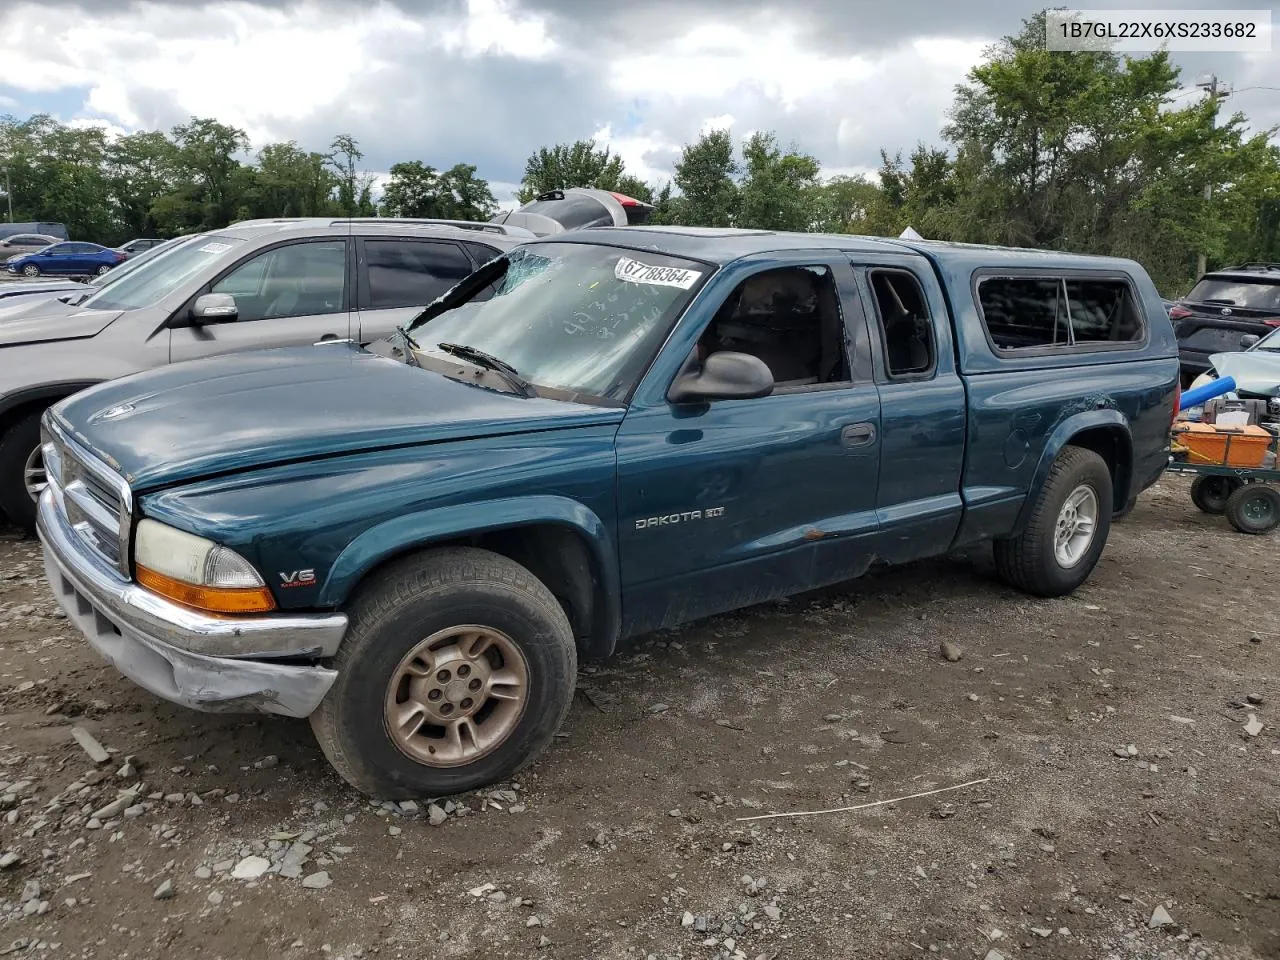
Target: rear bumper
147,638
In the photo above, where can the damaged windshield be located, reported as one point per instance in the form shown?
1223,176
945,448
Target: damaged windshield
571,316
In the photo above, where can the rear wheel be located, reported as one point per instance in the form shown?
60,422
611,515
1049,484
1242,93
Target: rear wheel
1210,493
1254,508
102,269
22,476
457,670
1067,530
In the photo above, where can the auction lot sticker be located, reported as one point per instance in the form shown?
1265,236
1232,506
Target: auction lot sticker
634,271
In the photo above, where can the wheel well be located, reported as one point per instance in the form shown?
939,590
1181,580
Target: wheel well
40,399
1113,446
21,410
558,556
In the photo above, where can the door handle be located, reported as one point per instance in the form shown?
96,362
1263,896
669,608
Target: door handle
858,434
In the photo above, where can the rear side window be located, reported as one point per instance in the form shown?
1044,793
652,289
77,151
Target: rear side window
1037,313
1102,311
1251,294
411,273
481,253
905,327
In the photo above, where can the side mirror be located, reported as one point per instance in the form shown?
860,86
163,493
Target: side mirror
1248,340
723,376
214,308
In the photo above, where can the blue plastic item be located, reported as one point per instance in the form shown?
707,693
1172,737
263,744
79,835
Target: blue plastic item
1207,391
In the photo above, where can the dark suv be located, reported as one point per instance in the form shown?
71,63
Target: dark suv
1222,307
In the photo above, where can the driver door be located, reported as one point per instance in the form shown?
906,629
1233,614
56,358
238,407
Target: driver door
733,502
294,293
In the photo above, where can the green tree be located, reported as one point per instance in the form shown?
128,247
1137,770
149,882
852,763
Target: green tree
845,204
464,196
141,168
778,189
58,173
210,186
354,188
1086,152
292,182
706,175
577,164
418,190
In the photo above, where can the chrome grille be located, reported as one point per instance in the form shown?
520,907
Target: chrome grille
94,498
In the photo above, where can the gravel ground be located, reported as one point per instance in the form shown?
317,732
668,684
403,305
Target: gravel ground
1131,808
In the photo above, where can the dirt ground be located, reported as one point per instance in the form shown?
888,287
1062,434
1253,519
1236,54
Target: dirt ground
1111,726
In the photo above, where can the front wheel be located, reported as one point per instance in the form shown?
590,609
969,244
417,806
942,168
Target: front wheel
1067,531
1254,508
31,270
457,669
22,475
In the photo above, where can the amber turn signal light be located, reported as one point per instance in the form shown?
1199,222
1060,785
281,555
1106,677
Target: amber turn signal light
228,600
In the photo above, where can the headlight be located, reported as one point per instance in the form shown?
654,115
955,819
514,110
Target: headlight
196,572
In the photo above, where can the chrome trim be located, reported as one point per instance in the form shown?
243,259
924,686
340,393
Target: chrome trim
82,497
209,684
135,610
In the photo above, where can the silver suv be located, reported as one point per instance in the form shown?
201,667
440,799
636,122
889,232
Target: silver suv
260,283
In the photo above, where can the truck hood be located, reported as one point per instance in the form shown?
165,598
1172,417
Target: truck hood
47,319
247,410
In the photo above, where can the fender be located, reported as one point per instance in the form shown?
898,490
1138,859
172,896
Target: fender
403,534
1060,437
46,391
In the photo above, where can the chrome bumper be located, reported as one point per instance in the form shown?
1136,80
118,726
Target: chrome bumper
181,655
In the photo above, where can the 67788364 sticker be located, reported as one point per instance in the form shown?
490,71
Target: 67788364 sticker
633,271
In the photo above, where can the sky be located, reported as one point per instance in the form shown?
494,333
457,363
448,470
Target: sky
487,82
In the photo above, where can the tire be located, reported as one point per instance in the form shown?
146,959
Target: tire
1031,560
1254,508
102,269
419,598
18,444
1210,492
31,270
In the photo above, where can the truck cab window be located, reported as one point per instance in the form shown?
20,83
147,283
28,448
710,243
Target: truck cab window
905,327
790,319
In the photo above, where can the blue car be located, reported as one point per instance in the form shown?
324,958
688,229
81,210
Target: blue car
71,259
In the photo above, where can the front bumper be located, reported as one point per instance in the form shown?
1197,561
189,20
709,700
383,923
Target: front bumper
153,642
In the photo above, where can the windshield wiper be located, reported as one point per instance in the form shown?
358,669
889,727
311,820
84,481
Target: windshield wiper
490,362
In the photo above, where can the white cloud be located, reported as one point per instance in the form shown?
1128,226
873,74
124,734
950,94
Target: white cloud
714,59
638,152
495,27
505,193
867,173
111,130
246,65
773,78
723,122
